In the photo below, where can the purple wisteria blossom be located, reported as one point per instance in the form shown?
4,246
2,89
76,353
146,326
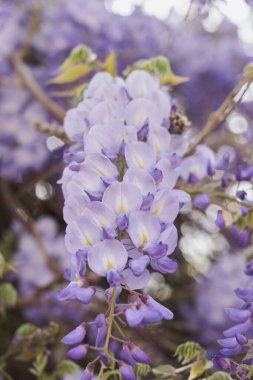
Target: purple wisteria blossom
121,203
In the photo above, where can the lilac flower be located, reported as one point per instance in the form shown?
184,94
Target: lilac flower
81,234
235,337
106,255
120,204
122,197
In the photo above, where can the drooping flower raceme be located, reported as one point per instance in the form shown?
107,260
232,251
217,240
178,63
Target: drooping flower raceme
120,203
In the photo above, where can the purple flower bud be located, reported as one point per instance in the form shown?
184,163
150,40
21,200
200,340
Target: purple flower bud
241,339
165,312
79,352
164,265
224,182
201,200
228,342
139,265
245,294
104,359
126,372
237,315
193,179
238,329
88,372
147,201
231,351
242,237
249,268
221,363
139,355
75,336
113,278
245,174
157,174
122,222
244,211
157,251
220,221
126,356
223,163
101,334
100,320
241,194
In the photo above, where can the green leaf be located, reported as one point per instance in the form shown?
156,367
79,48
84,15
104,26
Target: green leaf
197,369
71,74
219,376
8,296
142,369
250,373
164,371
66,367
110,64
159,66
188,351
80,54
25,330
108,374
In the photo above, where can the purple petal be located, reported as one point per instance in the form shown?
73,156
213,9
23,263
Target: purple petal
78,353
75,336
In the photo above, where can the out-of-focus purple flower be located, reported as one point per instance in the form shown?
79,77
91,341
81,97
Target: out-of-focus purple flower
201,200
242,237
220,221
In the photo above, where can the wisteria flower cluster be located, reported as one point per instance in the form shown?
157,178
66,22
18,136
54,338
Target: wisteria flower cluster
120,205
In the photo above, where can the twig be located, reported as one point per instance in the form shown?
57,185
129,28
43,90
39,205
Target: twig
52,129
25,75
222,112
27,221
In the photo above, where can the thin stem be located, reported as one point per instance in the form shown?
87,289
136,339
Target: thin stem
183,369
222,112
110,321
27,221
31,84
118,339
119,328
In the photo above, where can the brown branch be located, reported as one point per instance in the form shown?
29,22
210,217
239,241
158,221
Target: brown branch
31,84
222,112
17,209
52,129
